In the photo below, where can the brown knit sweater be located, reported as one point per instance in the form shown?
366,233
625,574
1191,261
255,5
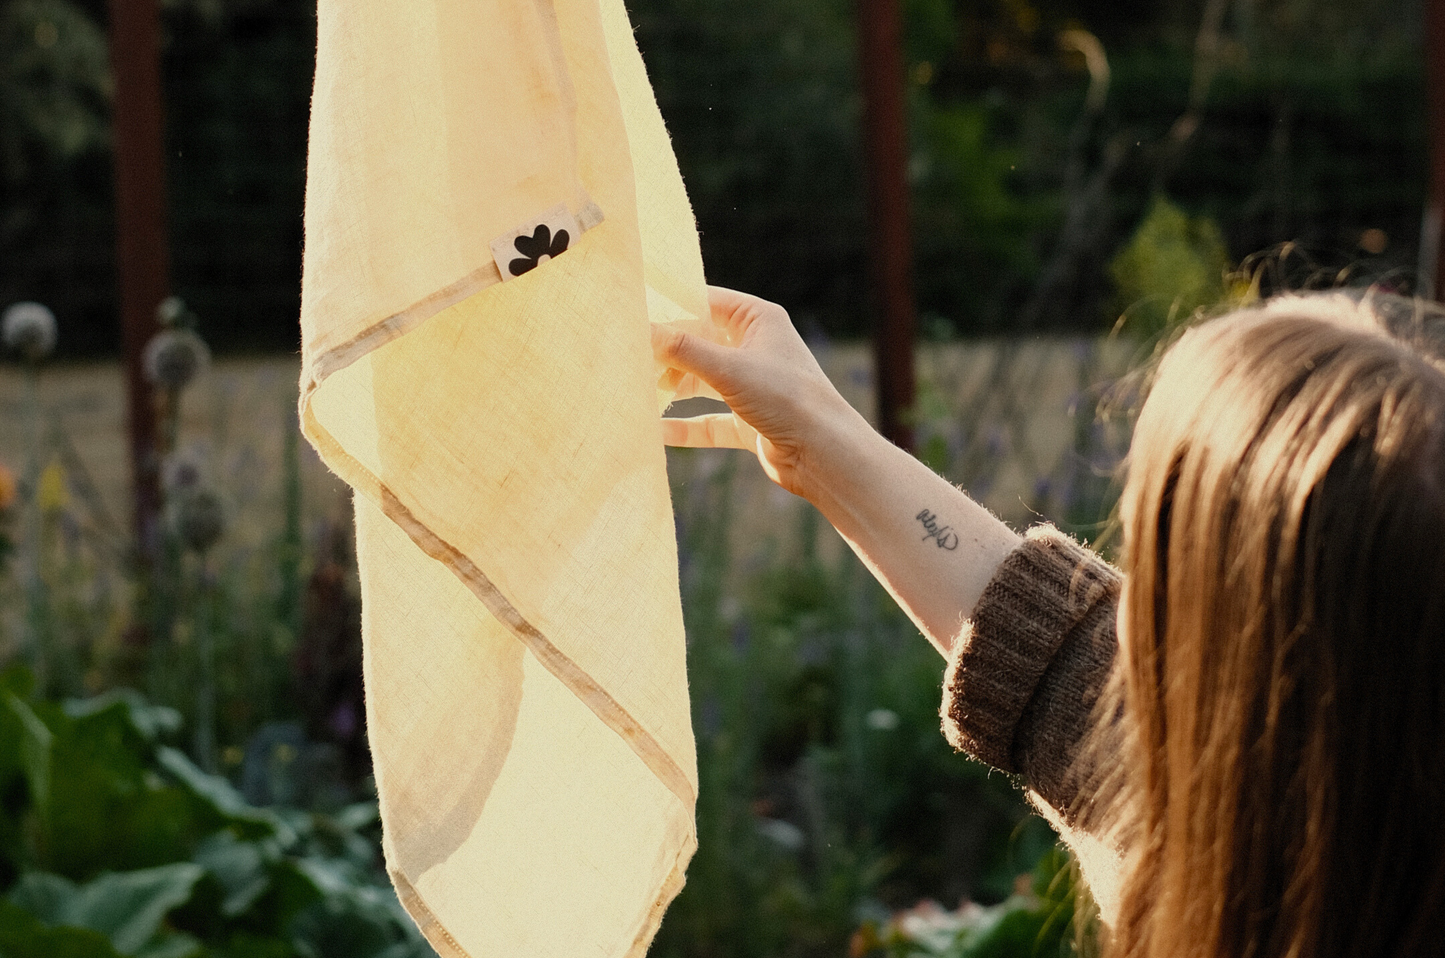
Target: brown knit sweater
1025,673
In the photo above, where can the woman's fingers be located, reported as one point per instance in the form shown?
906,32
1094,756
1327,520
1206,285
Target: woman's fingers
705,360
716,431
735,311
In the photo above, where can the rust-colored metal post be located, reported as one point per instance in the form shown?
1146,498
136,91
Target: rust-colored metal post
1432,249
138,139
885,135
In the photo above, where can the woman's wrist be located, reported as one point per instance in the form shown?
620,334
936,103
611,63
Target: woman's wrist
838,447
930,545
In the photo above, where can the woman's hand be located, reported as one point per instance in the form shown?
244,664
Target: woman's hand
930,545
782,405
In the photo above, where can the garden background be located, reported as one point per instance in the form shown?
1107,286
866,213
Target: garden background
1083,175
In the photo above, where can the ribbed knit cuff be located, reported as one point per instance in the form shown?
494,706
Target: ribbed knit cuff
1046,591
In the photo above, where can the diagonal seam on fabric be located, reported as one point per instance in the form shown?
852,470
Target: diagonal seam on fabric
431,929
398,324
596,698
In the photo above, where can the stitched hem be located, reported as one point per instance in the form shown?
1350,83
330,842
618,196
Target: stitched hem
601,702
646,924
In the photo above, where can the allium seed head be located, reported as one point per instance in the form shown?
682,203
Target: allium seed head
171,311
182,471
29,329
174,357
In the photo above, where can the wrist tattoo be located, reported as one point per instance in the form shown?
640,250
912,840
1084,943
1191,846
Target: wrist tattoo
943,536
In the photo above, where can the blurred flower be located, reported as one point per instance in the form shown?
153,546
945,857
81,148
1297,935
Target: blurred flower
9,488
196,518
29,329
51,492
782,833
174,357
881,720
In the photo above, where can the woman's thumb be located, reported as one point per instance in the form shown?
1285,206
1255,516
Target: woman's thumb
691,353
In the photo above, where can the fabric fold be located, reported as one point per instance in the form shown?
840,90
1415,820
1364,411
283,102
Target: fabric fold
526,680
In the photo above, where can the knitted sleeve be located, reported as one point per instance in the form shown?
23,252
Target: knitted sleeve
1026,670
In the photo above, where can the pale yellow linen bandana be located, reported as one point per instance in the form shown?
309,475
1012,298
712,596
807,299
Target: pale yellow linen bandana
493,214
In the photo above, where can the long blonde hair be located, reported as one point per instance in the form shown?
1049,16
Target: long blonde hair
1282,640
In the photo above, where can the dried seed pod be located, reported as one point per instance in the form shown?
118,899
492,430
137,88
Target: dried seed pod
29,329
172,312
182,471
174,357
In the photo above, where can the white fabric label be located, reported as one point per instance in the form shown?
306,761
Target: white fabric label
533,243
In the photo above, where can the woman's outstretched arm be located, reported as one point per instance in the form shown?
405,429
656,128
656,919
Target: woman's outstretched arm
1021,680
931,546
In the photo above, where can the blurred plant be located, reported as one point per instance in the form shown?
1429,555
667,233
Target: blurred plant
172,360
827,791
196,520
174,357
29,329
328,656
54,85
1038,919
1173,265
181,595
975,227
223,657
184,470
113,843
9,495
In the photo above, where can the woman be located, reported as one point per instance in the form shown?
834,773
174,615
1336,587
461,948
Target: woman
1243,735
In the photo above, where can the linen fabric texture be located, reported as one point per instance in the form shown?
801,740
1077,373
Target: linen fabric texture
527,700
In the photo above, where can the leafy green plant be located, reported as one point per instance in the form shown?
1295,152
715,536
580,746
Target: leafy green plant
1173,265
114,843
1036,921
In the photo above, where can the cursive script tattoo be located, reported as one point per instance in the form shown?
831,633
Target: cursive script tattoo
943,536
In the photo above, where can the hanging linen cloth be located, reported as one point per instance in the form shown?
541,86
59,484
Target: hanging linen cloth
493,215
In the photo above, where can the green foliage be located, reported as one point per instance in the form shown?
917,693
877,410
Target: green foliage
827,791
215,637
1173,265
760,98
127,907
1313,131
54,85
1036,921
113,843
976,230
22,935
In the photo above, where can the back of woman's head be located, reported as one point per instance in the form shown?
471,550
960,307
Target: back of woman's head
1282,638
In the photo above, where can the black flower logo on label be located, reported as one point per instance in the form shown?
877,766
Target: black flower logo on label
537,247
